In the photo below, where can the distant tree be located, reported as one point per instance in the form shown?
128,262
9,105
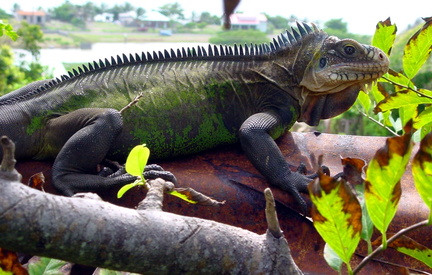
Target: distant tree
127,7
14,76
103,7
206,17
279,22
30,36
65,12
140,11
172,10
117,9
16,7
337,24
89,10
4,15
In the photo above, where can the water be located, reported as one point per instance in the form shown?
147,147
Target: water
55,57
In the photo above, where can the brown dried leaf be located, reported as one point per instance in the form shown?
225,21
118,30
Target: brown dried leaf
197,197
353,170
37,181
9,262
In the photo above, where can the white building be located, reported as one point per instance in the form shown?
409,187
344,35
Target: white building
242,21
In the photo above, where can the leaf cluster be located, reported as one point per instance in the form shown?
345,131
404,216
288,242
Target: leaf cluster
345,214
396,99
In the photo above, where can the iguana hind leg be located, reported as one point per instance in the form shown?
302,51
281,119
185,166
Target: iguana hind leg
84,136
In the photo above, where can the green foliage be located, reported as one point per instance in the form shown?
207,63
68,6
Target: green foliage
337,24
46,266
173,10
378,197
65,12
422,171
394,109
13,77
206,17
135,165
30,36
335,207
7,29
382,185
279,22
4,15
239,37
380,192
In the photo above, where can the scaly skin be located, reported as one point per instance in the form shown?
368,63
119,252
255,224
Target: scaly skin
190,101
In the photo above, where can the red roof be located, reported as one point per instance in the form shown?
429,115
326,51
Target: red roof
34,13
247,19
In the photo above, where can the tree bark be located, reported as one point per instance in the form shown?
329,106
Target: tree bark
146,240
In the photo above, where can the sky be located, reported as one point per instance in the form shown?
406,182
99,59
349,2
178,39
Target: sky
360,15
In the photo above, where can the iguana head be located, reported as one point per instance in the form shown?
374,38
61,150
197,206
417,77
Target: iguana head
335,72
339,64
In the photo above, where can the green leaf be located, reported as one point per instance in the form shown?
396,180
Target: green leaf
127,187
364,101
401,99
2,272
399,79
424,118
385,35
407,113
336,214
332,259
422,171
382,185
367,225
182,196
46,266
8,30
418,49
412,248
137,160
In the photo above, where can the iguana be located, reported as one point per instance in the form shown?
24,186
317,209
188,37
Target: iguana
191,100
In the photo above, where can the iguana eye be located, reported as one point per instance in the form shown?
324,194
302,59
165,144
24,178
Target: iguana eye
349,49
322,62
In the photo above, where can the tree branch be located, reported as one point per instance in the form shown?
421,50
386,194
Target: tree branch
96,233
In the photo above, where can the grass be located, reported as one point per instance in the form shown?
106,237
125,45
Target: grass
64,35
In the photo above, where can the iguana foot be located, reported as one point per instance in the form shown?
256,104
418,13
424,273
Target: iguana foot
151,171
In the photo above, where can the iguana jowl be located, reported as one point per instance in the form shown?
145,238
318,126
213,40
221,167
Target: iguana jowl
192,100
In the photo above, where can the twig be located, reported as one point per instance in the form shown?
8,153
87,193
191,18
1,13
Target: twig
8,161
379,123
271,215
133,102
379,249
406,87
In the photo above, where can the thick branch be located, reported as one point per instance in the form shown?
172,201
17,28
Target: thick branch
97,233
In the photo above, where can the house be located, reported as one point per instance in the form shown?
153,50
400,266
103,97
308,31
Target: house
104,17
127,18
154,20
241,21
32,17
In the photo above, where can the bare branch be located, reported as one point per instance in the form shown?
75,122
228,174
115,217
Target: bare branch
271,215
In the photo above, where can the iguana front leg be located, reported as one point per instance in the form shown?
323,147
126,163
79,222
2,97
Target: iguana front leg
265,155
84,137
